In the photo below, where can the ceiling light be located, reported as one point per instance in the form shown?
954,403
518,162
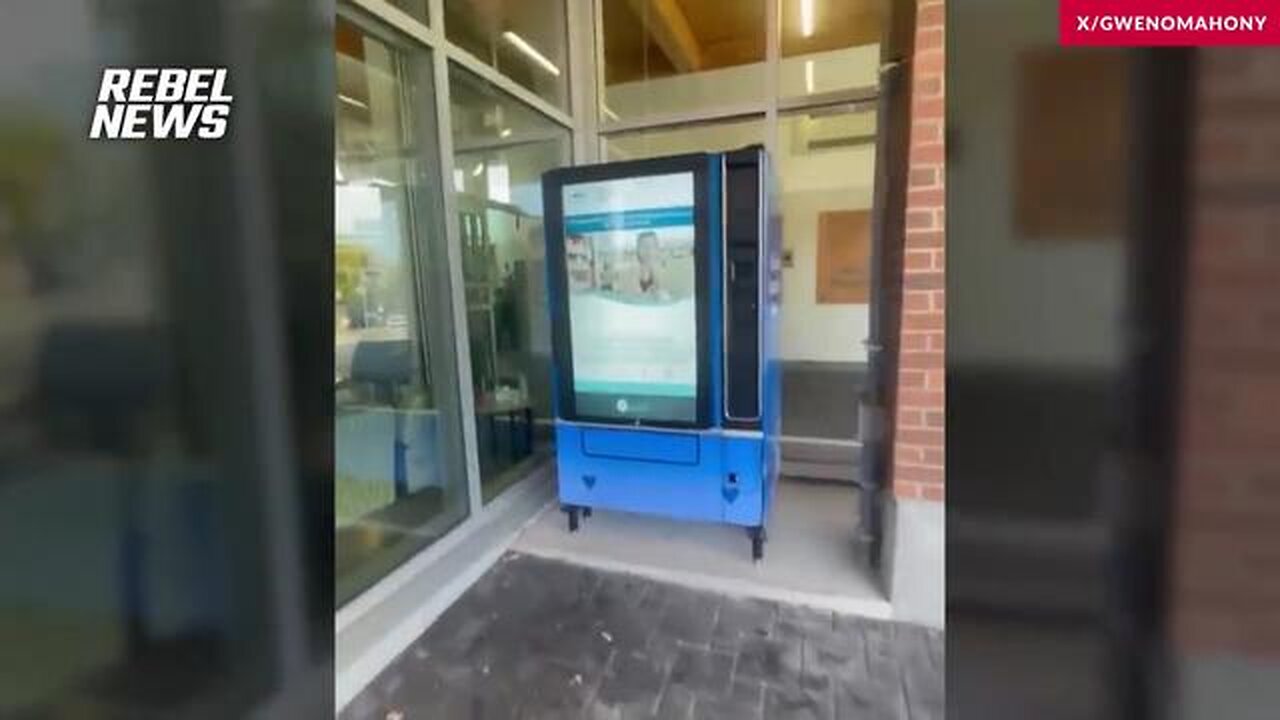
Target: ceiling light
806,18
337,172
352,101
505,132
523,46
808,76
479,168
381,182
499,182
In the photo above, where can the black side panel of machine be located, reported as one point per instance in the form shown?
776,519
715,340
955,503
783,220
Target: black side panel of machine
743,257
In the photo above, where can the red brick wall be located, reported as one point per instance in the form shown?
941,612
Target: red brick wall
918,450
1226,556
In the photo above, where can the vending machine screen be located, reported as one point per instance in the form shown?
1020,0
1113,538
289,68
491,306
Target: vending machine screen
629,261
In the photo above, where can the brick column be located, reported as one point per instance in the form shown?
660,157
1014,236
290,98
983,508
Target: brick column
919,448
1225,587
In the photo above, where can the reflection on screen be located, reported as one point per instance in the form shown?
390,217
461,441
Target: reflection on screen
632,306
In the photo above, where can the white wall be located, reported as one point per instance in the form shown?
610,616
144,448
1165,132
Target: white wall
812,182
813,332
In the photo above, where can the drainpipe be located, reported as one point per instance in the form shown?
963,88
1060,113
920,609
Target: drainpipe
877,400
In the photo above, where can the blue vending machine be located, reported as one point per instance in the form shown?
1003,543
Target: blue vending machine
665,283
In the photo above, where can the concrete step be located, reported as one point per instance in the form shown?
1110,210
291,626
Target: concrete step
820,459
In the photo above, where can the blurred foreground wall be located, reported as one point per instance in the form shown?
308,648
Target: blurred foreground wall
1225,549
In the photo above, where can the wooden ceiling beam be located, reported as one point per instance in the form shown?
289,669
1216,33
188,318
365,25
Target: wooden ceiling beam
671,31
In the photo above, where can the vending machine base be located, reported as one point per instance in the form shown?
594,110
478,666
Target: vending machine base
713,475
755,533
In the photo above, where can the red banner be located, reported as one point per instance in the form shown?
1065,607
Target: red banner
1169,22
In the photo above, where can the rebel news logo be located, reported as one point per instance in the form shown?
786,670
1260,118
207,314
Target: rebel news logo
162,104
1187,23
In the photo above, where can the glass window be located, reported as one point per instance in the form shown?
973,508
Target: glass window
400,480
663,58
829,45
825,162
416,8
501,149
703,137
522,39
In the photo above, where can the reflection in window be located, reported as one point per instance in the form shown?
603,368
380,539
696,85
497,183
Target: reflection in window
501,150
662,58
829,45
522,39
704,137
825,164
399,478
416,8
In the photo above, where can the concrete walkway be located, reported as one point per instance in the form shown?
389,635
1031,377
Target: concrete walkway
814,555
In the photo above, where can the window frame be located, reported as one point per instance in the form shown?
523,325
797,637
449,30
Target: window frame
409,33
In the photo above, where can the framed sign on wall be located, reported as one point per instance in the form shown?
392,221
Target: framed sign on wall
1071,144
844,257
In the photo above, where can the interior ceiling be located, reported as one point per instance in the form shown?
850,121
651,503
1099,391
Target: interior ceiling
656,38
837,24
352,76
478,25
